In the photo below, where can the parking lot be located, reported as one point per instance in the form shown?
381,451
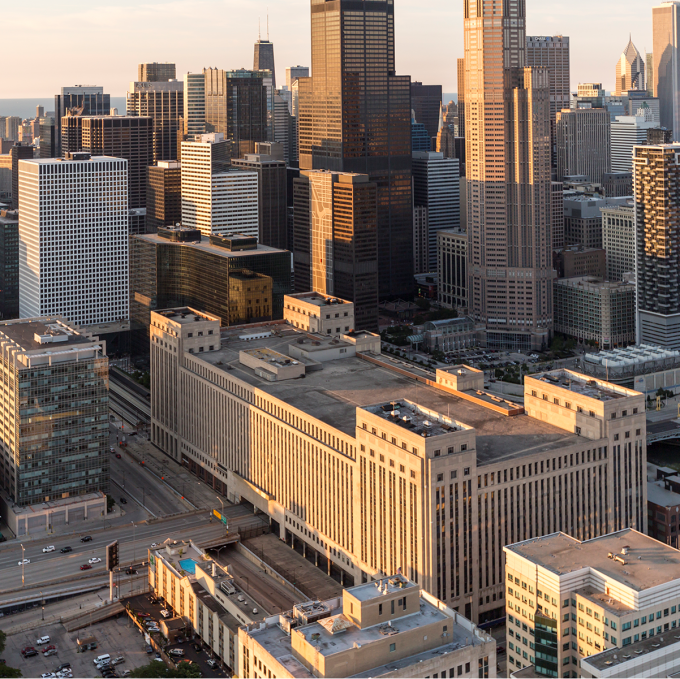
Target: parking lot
116,636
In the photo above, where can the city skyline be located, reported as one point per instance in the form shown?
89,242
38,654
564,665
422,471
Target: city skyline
175,38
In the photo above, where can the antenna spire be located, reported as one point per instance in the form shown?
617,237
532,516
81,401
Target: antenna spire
259,29
267,24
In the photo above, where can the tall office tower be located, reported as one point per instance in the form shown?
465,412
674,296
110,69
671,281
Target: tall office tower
630,71
128,137
236,106
344,241
301,233
13,128
618,240
552,52
272,186
9,265
649,73
583,143
73,231
507,107
43,356
284,128
71,133
659,136
452,248
460,63
420,138
626,133
217,199
666,31
355,116
164,102
426,100
436,186
421,235
656,172
18,152
39,111
263,59
292,74
156,72
194,103
557,217
82,99
163,195
445,142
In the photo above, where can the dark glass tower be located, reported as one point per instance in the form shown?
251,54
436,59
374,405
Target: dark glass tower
264,58
355,116
81,100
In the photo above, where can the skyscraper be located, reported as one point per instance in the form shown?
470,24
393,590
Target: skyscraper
630,70
355,117
163,195
584,143
507,107
436,186
292,74
217,199
80,100
426,100
156,72
164,103
284,128
649,73
73,231
18,152
263,59
666,31
460,63
657,183
626,133
194,103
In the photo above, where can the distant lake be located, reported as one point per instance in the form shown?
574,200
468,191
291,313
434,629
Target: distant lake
26,107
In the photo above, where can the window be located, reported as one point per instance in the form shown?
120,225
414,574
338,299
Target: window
393,647
380,609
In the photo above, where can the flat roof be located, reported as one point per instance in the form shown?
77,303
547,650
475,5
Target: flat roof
562,554
369,590
412,418
333,393
206,246
662,497
22,332
583,384
618,656
186,315
317,299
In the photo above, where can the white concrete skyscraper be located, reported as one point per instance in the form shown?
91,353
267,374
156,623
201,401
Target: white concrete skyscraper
73,238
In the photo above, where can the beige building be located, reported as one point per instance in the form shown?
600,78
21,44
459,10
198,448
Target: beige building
618,240
584,143
319,313
390,628
202,593
569,600
387,466
630,71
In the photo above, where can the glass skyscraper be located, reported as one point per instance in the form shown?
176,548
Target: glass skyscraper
355,116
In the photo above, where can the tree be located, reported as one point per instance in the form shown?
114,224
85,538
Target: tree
7,671
154,669
3,640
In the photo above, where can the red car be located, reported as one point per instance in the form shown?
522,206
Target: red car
85,567
49,648
143,615
118,455
27,649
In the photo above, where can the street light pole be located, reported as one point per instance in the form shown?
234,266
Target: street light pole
223,516
23,554
42,603
134,546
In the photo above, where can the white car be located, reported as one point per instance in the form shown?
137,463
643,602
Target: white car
48,675
42,641
165,613
48,549
155,544
94,559
24,561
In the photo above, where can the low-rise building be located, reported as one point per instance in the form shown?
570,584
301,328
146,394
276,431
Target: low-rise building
663,508
448,335
319,313
569,600
590,309
575,260
387,628
618,240
197,589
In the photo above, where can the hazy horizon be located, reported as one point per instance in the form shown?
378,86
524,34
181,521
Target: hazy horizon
102,42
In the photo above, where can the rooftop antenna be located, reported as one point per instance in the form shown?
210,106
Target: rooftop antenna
267,24
259,29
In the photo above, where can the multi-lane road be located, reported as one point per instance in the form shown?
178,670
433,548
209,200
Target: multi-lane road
133,544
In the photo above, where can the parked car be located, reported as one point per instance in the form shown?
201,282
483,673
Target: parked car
117,661
165,613
48,549
155,544
149,649
95,559
24,561
65,550
142,614
27,649
113,450
123,501
63,666
179,652
86,538
48,675
212,664
30,654
52,651
85,567
127,673
43,640
118,455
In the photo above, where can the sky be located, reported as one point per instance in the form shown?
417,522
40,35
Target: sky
100,42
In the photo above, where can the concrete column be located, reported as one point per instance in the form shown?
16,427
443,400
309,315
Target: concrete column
342,578
316,559
304,549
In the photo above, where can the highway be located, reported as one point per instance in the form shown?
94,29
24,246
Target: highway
55,565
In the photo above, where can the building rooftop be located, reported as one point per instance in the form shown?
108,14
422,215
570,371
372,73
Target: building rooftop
648,562
185,315
580,384
206,246
594,283
369,590
618,656
662,497
638,354
317,299
47,334
332,393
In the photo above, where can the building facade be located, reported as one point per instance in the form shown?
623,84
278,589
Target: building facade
663,507
194,104
630,71
508,202
164,103
70,447
421,237
263,58
581,598
666,40
462,487
9,264
319,313
426,101
589,309
575,260
17,153
584,143
557,214
626,133
73,239
355,117
82,100
163,195
387,629
436,186
656,180
618,240
156,72
452,247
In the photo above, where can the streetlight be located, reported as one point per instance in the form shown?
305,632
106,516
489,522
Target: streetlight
42,602
134,546
23,554
226,526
